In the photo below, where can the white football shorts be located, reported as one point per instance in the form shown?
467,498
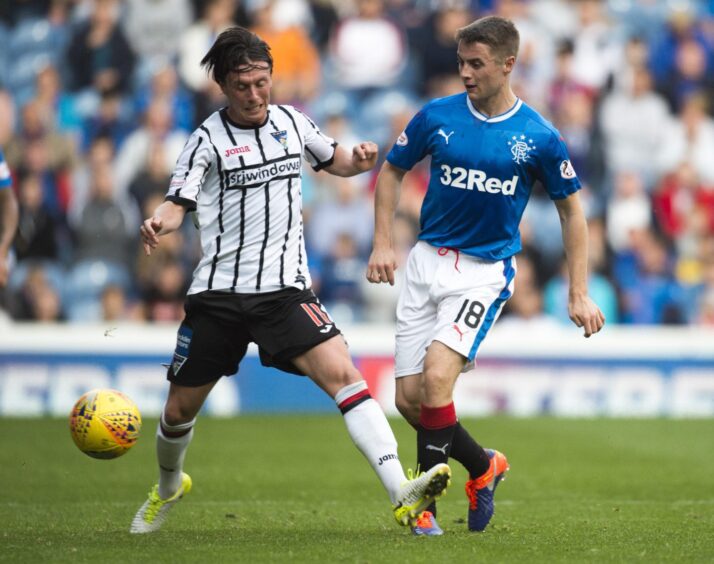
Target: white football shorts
448,297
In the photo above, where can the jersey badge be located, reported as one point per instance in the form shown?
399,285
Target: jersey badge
281,137
566,170
520,148
444,135
402,140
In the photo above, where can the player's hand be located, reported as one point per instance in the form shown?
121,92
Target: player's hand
150,233
381,266
584,313
364,155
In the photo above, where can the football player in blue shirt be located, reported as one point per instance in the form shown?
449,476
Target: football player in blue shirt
487,149
8,218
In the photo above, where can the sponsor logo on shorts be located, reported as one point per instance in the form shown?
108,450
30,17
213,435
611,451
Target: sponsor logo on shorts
183,343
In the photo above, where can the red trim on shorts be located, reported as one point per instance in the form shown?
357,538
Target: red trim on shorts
433,418
318,310
315,319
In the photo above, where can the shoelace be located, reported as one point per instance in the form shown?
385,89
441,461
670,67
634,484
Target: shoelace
154,505
443,251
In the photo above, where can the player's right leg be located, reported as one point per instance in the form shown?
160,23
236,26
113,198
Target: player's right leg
173,435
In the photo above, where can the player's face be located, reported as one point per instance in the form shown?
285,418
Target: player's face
248,94
483,75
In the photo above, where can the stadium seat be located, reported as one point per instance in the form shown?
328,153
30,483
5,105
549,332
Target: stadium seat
87,279
54,273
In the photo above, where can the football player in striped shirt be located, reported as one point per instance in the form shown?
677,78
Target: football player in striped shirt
487,149
8,219
240,176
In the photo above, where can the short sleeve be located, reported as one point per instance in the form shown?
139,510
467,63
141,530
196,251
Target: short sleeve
319,149
556,172
191,168
412,144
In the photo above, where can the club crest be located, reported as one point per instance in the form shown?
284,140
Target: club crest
521,148
281,137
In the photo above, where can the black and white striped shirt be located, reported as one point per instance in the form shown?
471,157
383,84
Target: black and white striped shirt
244,184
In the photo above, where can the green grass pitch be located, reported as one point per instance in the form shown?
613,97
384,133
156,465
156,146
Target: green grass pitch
294,489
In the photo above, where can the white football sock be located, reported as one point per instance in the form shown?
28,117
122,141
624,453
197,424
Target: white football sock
372,434
170,452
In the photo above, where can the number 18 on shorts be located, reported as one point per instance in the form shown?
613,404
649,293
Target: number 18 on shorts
449,297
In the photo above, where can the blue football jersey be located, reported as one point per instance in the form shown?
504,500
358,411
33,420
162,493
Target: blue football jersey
482,172
5,179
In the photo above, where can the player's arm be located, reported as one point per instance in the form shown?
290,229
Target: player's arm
362,158
166,219
382,261
8,224
581,309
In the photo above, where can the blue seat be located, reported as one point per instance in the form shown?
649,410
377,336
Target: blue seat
87,280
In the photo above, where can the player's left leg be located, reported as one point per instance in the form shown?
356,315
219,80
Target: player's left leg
329,365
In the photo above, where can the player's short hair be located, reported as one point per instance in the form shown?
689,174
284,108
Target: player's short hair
236,49
498,33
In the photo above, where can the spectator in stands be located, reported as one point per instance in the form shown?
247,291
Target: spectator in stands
154,29
152,179
37,147
37,299
296,74
217,15
690,137
436,52
633,125
111,120
39,232
117,307
348,212
100,153
99,56
681,27
684,207
103,231
364,72
341,276
164,85
629,209
644,274
156,133
164,297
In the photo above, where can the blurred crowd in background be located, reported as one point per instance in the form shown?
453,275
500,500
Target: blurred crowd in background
97,98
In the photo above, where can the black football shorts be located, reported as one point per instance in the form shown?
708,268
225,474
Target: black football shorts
214,336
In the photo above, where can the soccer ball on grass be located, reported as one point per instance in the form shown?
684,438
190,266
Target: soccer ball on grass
104,423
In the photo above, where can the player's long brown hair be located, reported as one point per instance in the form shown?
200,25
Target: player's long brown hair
235,49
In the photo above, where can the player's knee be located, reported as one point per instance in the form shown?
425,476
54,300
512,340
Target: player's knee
177,414
437,384
409,408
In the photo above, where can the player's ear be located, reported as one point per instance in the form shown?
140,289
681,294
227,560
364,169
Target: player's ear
509,63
